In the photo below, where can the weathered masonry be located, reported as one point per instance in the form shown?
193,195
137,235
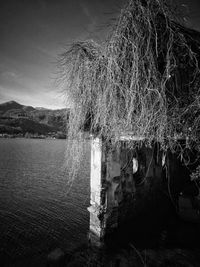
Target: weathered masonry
126,181
115,175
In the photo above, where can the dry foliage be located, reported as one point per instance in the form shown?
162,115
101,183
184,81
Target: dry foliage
144,80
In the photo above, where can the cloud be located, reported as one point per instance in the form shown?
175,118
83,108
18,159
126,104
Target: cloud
85,10
44,51
40,98
9,75
92,19
27,90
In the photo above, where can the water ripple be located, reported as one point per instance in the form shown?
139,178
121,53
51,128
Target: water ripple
36,213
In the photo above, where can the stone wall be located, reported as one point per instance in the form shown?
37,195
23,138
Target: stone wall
117,177
127,184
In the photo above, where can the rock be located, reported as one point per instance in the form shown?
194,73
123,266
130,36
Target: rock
56,258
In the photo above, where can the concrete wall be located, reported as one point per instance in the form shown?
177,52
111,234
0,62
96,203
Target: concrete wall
135,186
130,197
115,176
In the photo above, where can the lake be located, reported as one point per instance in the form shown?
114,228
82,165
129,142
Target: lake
40,209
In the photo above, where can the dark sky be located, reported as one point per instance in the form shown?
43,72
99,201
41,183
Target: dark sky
34,32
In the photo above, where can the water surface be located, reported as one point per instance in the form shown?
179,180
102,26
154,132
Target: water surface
38,212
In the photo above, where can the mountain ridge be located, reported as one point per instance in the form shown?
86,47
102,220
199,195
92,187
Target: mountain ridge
21,119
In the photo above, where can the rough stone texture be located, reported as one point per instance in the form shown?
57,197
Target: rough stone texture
115,176
96,197
131,256
56,258
136,188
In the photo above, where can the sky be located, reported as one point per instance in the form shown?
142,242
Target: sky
34,32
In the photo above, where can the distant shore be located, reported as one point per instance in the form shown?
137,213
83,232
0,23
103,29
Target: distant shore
33,136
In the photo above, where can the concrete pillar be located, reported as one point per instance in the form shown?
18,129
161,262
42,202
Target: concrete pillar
97,207
105,168
114,175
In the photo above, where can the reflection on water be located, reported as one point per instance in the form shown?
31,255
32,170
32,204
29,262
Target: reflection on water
36,212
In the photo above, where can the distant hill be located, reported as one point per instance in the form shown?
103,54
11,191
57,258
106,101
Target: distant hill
16,118
9,105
